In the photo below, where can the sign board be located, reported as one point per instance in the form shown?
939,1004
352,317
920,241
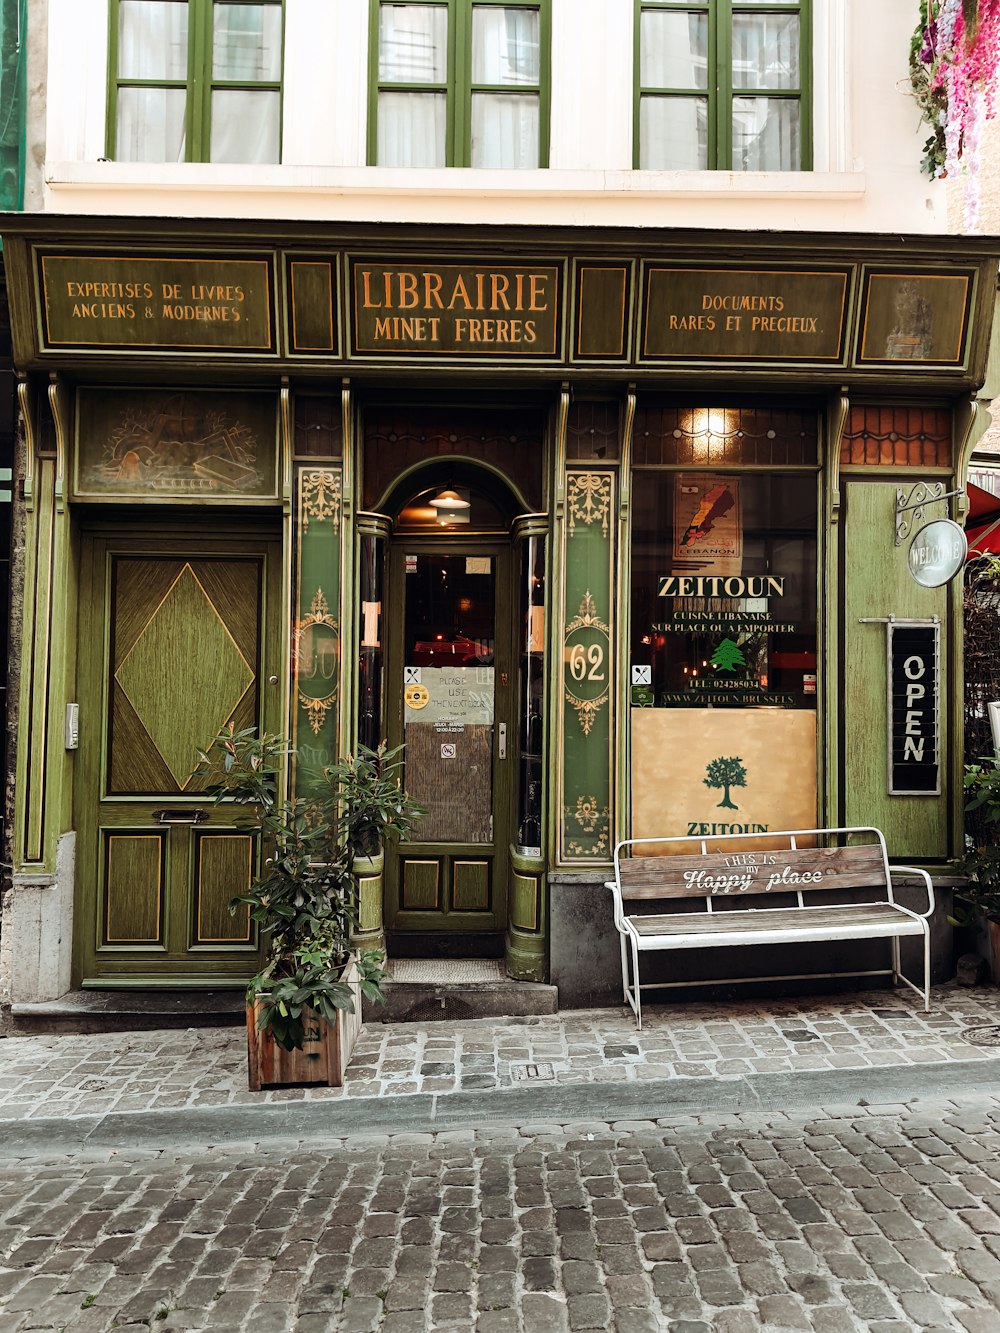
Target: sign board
105,301
937,553
751,772
914,683
743,314
483,308
450,696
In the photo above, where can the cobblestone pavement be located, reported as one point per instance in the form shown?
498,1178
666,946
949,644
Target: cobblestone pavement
883,1219
65,1076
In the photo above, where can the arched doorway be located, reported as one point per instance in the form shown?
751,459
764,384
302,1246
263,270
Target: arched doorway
456,688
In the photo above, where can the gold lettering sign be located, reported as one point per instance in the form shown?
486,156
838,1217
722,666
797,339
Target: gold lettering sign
743,314
128,302
479,309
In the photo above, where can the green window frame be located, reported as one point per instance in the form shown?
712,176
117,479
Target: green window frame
693,123
459,84
193,80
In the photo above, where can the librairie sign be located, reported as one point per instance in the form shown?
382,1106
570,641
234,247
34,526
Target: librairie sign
474,309
134,302
743,314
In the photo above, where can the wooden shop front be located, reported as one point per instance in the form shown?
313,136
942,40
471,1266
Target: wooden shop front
600,525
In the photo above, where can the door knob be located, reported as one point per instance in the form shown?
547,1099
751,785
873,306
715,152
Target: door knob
272,680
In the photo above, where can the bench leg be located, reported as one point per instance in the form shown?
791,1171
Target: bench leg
895,961
621,941
635,980
927,969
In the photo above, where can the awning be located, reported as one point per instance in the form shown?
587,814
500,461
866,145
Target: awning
982,527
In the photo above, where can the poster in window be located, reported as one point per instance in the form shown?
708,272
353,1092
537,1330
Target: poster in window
708,524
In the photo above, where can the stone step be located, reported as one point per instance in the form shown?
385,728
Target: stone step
425,990
86,1011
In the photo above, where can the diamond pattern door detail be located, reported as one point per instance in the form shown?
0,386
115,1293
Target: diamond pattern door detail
185,675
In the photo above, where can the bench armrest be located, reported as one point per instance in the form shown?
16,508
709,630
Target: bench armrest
619,905
919,874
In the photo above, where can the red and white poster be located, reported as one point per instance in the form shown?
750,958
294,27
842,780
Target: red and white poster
708,524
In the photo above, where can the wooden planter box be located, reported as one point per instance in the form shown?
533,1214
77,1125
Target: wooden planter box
322,1059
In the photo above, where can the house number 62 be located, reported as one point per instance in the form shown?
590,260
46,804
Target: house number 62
581,658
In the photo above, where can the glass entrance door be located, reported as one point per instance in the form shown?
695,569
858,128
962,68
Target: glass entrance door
449,705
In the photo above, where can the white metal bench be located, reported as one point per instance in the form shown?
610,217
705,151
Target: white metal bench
751,893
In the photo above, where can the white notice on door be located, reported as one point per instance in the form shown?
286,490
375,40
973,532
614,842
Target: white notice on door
448,751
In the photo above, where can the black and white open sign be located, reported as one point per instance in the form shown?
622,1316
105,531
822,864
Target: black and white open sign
914,709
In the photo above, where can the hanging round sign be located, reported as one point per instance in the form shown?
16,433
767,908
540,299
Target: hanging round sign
937,553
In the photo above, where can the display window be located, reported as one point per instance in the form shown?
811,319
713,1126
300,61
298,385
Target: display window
724,661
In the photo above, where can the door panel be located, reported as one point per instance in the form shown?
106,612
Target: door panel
449,689
175,637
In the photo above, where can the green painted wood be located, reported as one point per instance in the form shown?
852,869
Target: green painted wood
408,908
225,862
313,317
525,951
877,583
206,609
420,884
133,888
316,632
524,907
470,885
587,661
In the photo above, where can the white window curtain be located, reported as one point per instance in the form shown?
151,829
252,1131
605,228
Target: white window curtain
504,130
412,129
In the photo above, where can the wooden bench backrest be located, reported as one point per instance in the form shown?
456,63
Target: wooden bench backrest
727,874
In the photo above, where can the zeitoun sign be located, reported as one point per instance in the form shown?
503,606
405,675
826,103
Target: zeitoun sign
914,684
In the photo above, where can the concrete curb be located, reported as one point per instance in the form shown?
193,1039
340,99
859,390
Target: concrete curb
554,1104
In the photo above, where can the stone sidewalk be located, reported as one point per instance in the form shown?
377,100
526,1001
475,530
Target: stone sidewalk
741,1055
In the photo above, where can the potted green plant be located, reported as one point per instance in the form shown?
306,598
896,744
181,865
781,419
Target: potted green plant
980,896
304,1005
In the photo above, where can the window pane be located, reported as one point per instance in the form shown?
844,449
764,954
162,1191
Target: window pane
766,134
152,40
150,125
504,130
411,129
505,45
245,126
765,51
246,43
673,133
413,44
673,50
755,647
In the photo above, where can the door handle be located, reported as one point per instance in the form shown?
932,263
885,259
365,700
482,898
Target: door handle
180,816
501,740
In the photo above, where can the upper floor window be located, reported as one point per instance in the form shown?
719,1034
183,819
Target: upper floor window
723,84
459,83
196,81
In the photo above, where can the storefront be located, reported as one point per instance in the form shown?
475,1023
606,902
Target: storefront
603,527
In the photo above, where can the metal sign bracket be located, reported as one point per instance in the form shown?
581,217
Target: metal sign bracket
913,501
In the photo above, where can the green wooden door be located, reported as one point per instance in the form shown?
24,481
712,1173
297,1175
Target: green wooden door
179,635
449,700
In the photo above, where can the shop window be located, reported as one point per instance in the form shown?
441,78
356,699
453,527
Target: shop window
723,652
195,81
459,83
723,85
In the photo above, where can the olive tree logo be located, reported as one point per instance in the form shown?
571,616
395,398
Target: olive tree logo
726,773
727,657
